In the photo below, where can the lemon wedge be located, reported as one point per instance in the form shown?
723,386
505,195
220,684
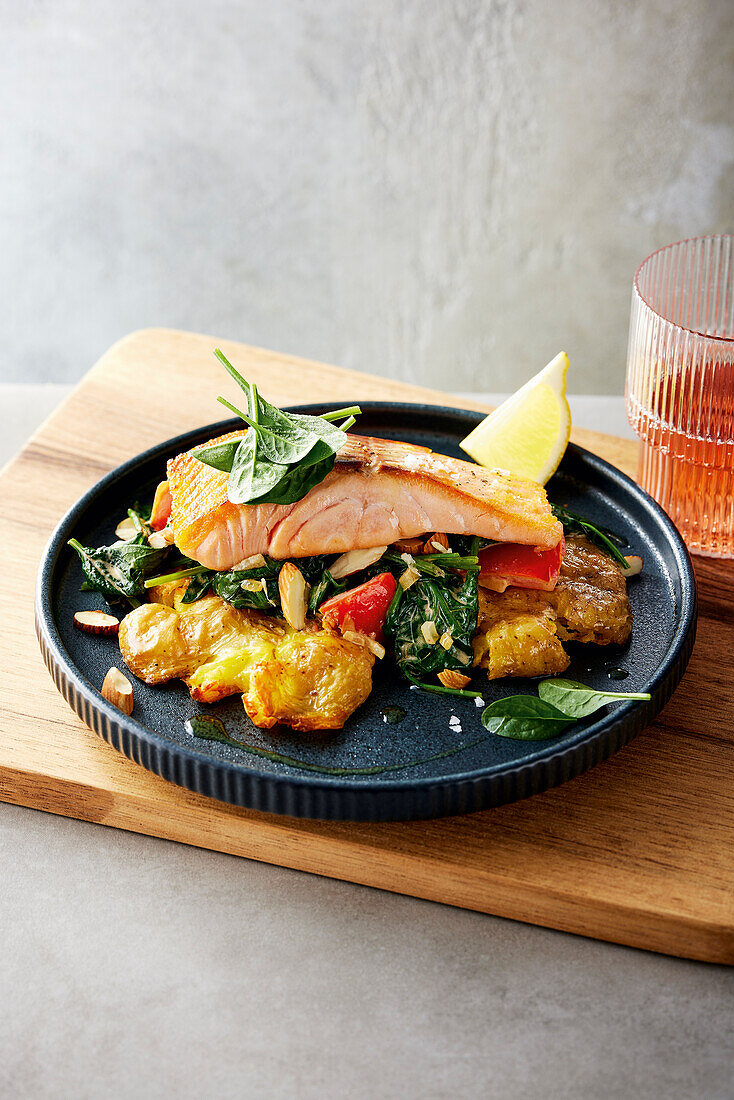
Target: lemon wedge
528,433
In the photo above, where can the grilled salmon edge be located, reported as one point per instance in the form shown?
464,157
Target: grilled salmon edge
204,489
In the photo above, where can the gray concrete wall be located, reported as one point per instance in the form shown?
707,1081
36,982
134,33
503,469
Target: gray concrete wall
444,192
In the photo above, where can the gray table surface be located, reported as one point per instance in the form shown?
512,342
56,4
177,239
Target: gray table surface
135,967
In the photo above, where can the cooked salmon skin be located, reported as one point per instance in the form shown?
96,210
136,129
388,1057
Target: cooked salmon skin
378,492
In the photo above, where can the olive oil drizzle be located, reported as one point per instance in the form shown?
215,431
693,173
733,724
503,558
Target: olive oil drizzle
212,729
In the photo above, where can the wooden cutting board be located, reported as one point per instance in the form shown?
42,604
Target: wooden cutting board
638,851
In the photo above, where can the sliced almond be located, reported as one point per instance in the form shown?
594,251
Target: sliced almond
354,560
429,632
96,622
436,544
118,690
126,530
160,539
365,641
408,578
292,588
409,546
446,640
252,562
634,566
494,584
451,679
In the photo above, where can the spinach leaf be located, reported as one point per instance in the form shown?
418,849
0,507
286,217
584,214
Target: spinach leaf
295,483
560,704
525,718
577,700
118,571
197,587
219,455
602,537
252,477
229,586
283,455
325,587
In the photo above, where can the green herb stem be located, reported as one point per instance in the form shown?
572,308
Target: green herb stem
168,578
236,411
439,689
353,410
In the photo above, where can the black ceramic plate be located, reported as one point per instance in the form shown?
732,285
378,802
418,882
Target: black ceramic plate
488,771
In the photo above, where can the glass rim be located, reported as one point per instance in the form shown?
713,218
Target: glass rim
656,312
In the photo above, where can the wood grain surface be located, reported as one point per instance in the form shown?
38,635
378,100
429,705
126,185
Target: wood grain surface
638,851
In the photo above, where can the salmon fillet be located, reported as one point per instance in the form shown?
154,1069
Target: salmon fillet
378,492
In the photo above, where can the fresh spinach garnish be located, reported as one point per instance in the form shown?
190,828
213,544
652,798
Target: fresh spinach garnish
525,718
560,703
283,456
118,572
577,700
602,537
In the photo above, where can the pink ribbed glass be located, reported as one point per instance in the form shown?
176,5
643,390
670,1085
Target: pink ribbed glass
680,387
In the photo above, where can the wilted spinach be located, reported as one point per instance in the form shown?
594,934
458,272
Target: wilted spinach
197,587
451,603
602,537
229,586
118,572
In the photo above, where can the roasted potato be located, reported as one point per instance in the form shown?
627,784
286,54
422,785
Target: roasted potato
308,679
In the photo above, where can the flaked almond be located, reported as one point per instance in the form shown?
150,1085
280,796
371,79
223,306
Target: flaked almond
634,566
354,560
408,578
159,540
494,584
118,690
292,588
408,546
126,530
446,640
252,562
451,679
96,622
429,632
436,544
365,641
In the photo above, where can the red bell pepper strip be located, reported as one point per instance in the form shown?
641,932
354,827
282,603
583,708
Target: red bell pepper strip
364,608
521,566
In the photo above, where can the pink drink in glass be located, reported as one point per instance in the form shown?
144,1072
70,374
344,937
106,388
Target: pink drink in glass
680,387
